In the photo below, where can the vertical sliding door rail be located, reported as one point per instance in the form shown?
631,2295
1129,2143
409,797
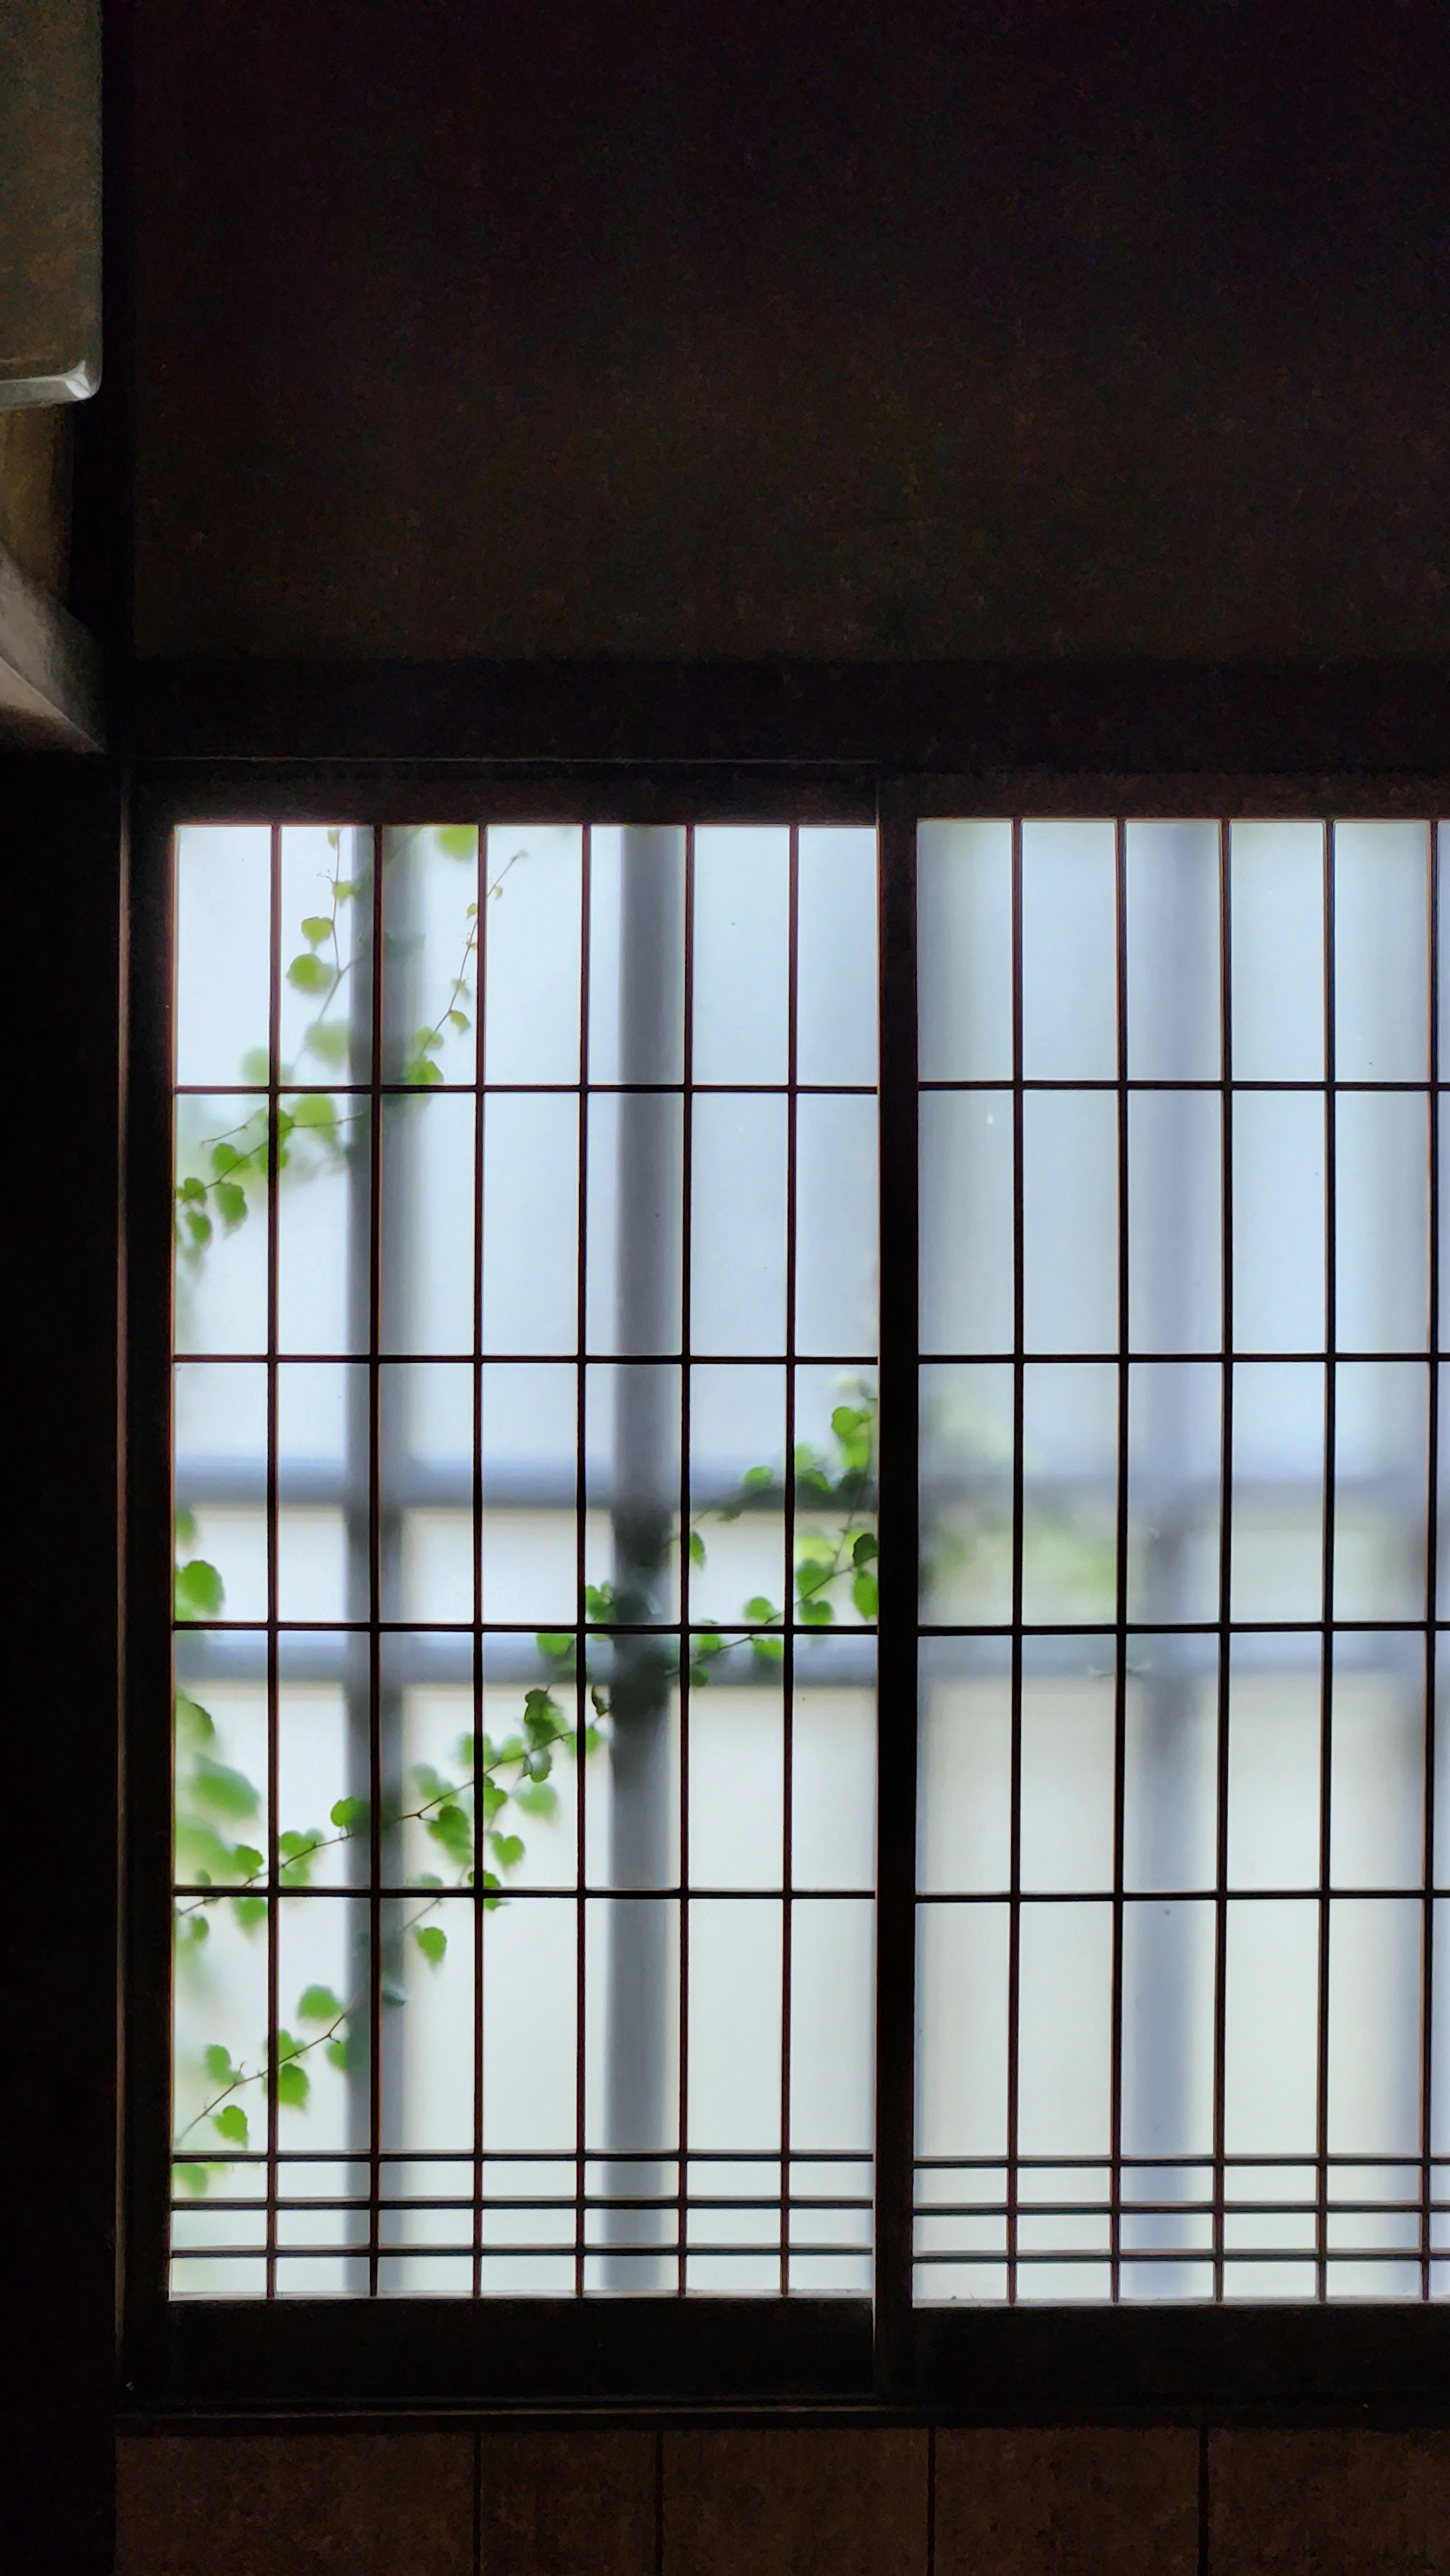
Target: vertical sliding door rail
896,1683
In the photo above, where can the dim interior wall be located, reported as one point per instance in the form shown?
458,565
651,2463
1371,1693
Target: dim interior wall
570,331
35,487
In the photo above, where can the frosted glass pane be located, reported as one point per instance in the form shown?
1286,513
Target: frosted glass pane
430,954
833,1766
221,1238
1374,2027
326,944
1277,909
1381,1470
529,1971
223,913
1175,1413
1069,1478
1377,1788
837,1228
1278,1490
426,1252
324,1232
737,1795
832,2041
1168,1987
1174,979
1275,1696
1381,1217
1381,968
738,1223
1175,1257
1064,2029
737,1431
742,954
636,954
1272,1968
1278,1218
634,1223
1067,1763
966,1493
1069,952
966,1221
1070,1221
964,1794
632,1484
735,2023
532,952
530,1166
961,2030
1170,1762
836,956
964,939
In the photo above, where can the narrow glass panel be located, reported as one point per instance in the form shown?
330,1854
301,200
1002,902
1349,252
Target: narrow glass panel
1064,2029
1069,952
426,1251
836,956
837,1229
1272,1967
1381,972
1070,1221
529,1536
964,940
221,1224
1175,1416
1067,1763
1381,1220
961,2030
742,954
734,2023
1381,1467
966,1493
832,2045
1174,1001
532,952
1278,1217
1277,903
737,1503
1168,1980
833,1764
1069,1478
1278,1489
324,1225
632,1466
964,1804
966,1221
530,1222
430,957
636,954
1374,2026
738,1223
324,1758
1275,1695
1170,1762
634,1220
326,945
1377,1787
223,915
1175,1257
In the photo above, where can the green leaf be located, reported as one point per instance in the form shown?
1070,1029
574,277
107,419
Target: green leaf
226,1157
451,1828
246,1860
327,1040
349,1814
292,2087
256,1065
758,1608
231,1202
771,1650
846,1419
287,2046
537,1798
316,927
193,1720
542,1716
599,1602
309,974
192,1192
230,1792
810,1575
432,1940
318,2003
314,1109
507,1849
864,1594
599,1702
420,1072
457,1020
199,1589
198,1227
427,1042
555,1643
184,1525
218,2063
250,1911
231,2124
816,1614
756,1479
697,1548
338,2054
192,2178
457,840
865,1551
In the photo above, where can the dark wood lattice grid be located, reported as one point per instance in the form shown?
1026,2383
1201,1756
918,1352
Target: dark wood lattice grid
612,2212
1197,2220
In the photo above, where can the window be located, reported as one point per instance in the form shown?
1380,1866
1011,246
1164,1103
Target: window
561,1911
524,1409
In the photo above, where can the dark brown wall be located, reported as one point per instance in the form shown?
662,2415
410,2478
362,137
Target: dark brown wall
570,327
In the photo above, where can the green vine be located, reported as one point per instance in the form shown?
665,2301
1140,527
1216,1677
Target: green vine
470,1818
